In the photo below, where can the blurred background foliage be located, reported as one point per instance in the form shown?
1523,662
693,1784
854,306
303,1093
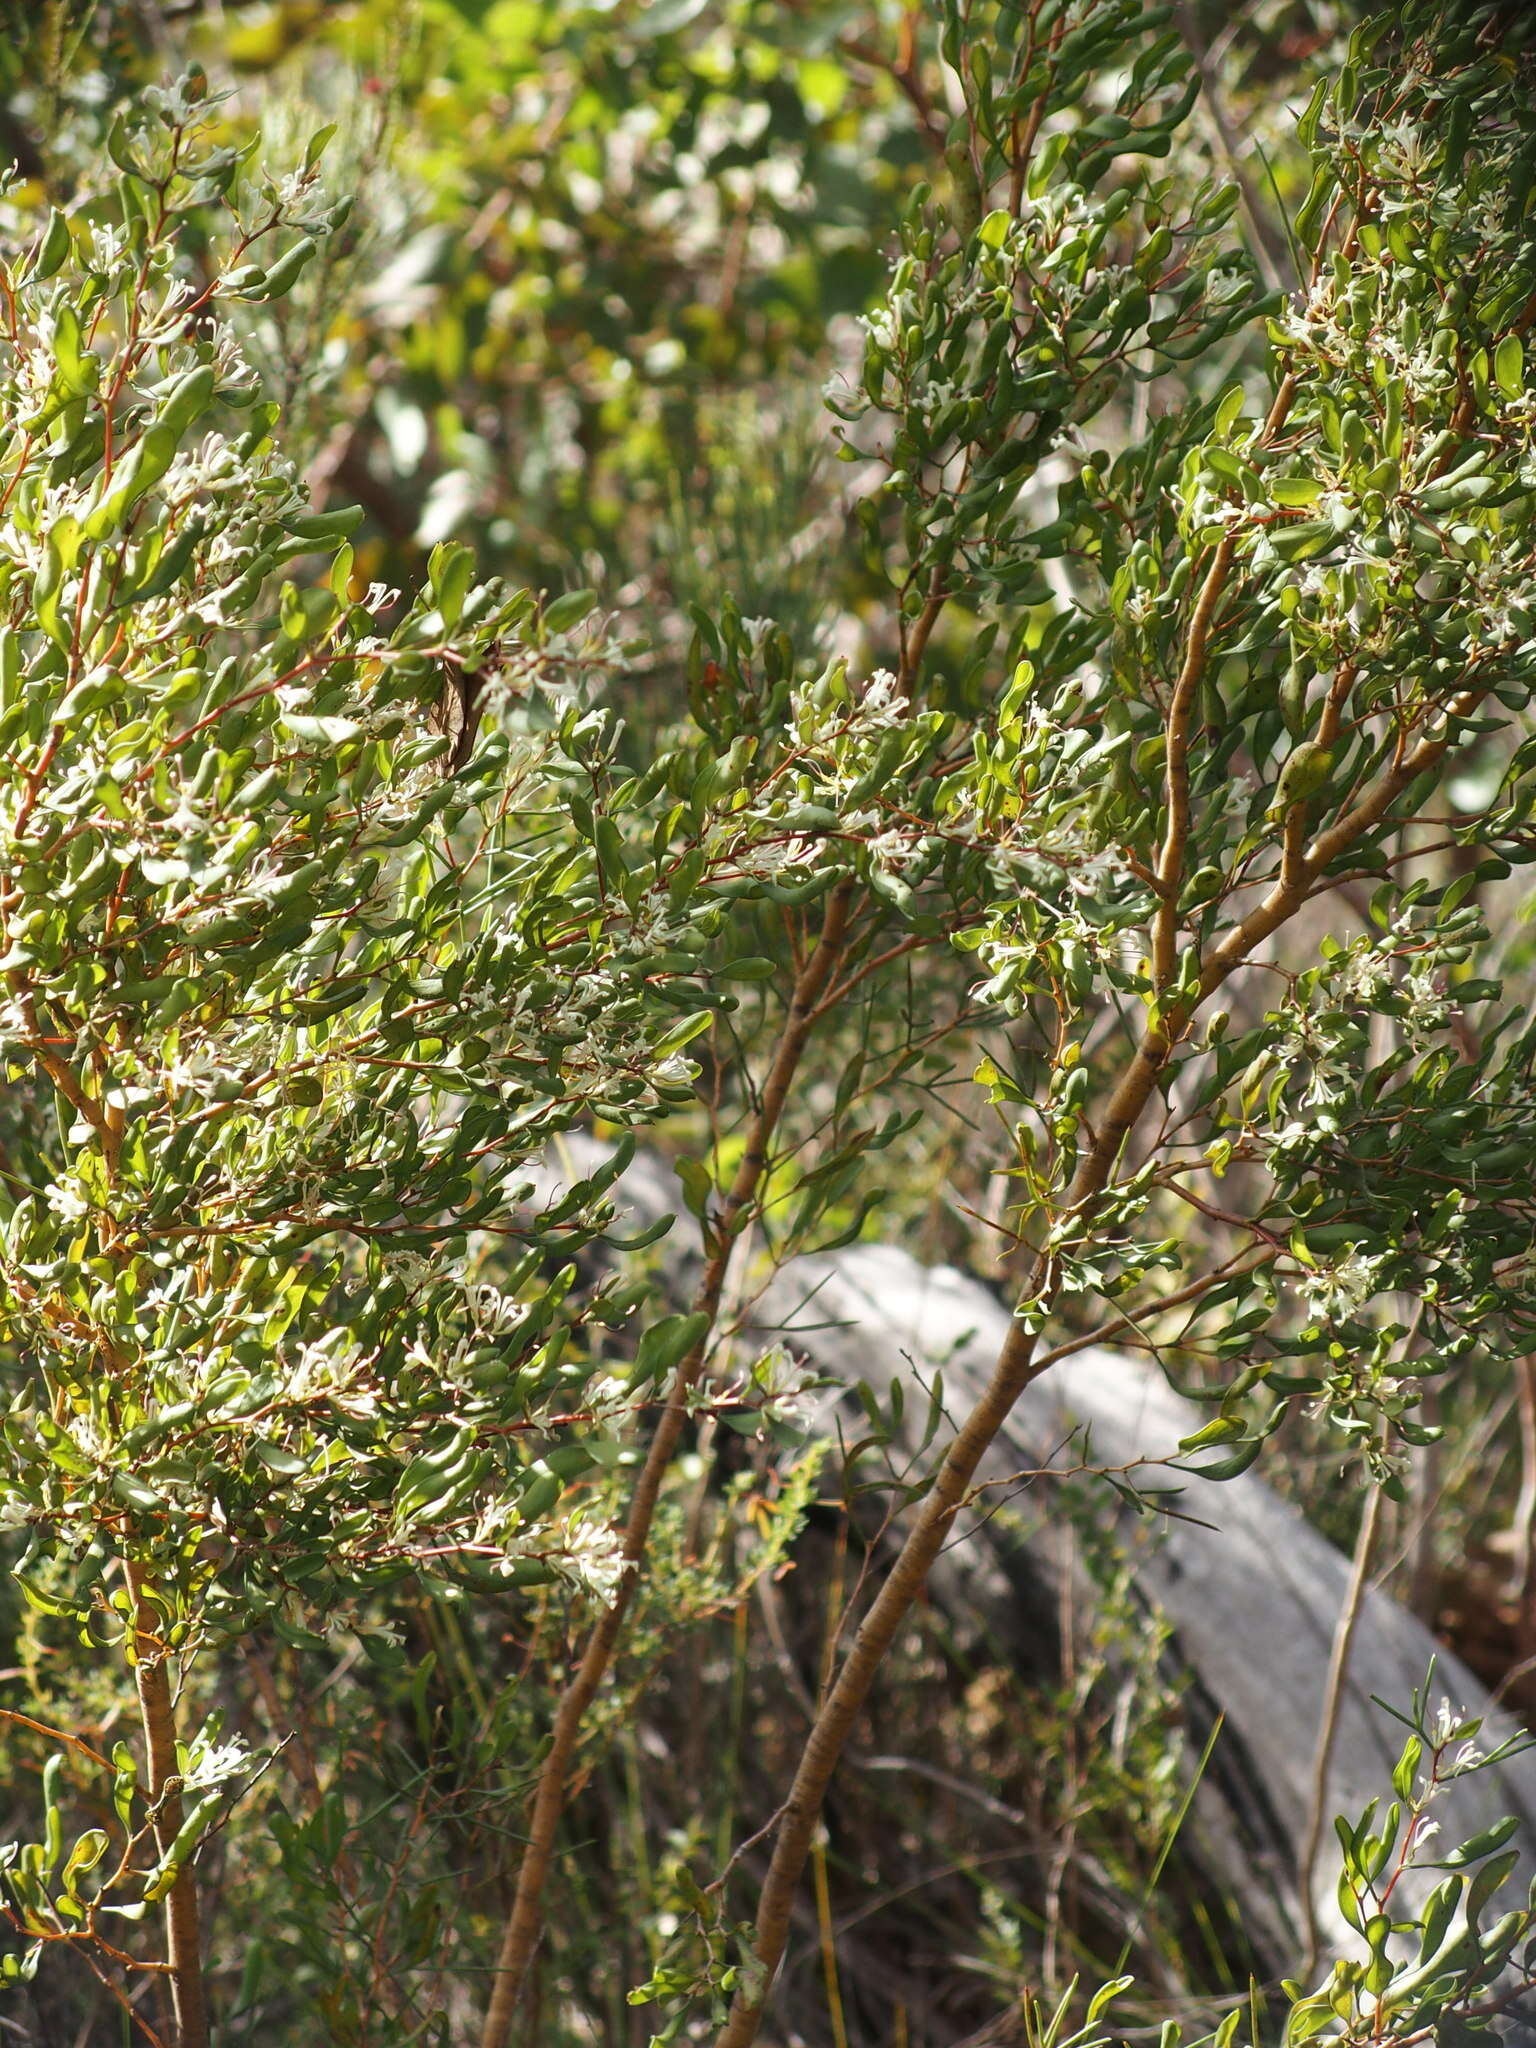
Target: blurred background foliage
603,262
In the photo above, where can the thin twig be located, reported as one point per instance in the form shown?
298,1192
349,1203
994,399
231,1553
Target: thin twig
151,1671
525,1922
1328,1726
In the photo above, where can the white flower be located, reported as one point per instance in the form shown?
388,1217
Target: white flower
882,698
1430,1009
893,849
773,856
1447,1720
200,1074
330,1368
1363,977
675,1072
1344,1286
606,1399
592,1557
1330,1082
492,1312
1093,873
411,1267
107,246
87,1436
213,1763
782,1384
67,1202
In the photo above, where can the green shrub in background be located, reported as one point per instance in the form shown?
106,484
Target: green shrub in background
325,914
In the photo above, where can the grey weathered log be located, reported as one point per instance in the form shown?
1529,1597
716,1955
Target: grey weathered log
1249,1589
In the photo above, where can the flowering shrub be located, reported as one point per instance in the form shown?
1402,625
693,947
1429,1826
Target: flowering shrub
308,992
326,913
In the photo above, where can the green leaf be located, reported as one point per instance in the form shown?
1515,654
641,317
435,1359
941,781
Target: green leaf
1222,1469
1487,1881
567,612
187,400
53,248
1293,491
697,1184
665,1344
450,572
135,475
188,1836
280,278
305,615
691,1027
665,18
329,731
1222,1429
277,1458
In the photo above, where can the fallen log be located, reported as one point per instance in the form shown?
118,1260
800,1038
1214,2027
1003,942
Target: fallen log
1251,1591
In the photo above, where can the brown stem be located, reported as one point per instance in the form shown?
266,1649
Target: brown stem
834,1724
1170,864
1017,1366
526,1920
1275,258
57,1070
1523,1521
1181,709
915,642
905,72
157,1711
1422,1550
1328,1726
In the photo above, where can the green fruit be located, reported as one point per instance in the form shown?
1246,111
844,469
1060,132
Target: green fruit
967,188
1293,699
1203,884
1303,774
